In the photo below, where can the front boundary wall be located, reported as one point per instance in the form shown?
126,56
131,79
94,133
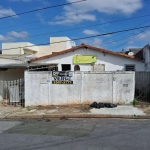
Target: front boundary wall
87,87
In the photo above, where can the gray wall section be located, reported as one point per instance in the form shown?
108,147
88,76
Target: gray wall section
97,87
142,79
37,88
115,87
125,87
142,86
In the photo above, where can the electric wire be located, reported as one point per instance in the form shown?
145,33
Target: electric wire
39,9
87,37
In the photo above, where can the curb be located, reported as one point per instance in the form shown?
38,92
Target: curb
77,116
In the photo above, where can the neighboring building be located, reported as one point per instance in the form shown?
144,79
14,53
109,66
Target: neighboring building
12,67
131,51
89,58
144,54
56,44
8,71
134,50
15,56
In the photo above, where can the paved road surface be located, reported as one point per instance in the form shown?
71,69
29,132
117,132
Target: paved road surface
75,134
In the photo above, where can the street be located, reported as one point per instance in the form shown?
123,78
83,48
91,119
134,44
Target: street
75,134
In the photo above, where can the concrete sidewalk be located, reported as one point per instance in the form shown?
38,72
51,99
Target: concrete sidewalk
79,111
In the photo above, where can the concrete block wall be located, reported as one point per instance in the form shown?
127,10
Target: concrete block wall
114,87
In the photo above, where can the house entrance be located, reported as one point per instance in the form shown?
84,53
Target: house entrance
12,92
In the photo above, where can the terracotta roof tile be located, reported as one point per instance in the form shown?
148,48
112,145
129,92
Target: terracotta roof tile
86,46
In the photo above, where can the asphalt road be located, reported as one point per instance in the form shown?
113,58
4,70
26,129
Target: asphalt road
75,134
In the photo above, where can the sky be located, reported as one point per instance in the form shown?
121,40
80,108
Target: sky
78,20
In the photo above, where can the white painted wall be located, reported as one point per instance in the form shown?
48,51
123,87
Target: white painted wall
39,51
17,48
114,87
57,44
5,61
44,50
112,62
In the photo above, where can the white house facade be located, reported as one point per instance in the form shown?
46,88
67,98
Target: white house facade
105,60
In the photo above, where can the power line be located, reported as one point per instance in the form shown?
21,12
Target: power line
118,39
66,16
90,25
39,9
83,27
136,17
131,39
109,33
50,19
87,26
130,35
133,34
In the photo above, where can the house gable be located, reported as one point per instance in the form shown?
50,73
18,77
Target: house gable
104,61
85,46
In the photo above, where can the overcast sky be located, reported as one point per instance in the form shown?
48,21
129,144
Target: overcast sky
93,15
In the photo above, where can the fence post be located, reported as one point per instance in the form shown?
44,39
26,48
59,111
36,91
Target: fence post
113,87
81,94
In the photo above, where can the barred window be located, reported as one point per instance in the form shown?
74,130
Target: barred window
129,67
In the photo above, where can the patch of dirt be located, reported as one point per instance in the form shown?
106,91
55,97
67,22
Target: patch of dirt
82,108
143,103
145,106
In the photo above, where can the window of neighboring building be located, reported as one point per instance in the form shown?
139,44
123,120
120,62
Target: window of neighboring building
76,68
66,67
129,67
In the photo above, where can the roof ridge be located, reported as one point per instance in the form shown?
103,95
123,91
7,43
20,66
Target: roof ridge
85,46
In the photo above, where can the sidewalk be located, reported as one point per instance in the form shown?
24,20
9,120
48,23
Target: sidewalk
79,111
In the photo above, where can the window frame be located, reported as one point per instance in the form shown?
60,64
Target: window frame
129,65
66,65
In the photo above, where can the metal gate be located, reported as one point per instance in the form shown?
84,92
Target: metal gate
142,86
12,92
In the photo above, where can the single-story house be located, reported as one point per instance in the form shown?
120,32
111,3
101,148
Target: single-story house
89,58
